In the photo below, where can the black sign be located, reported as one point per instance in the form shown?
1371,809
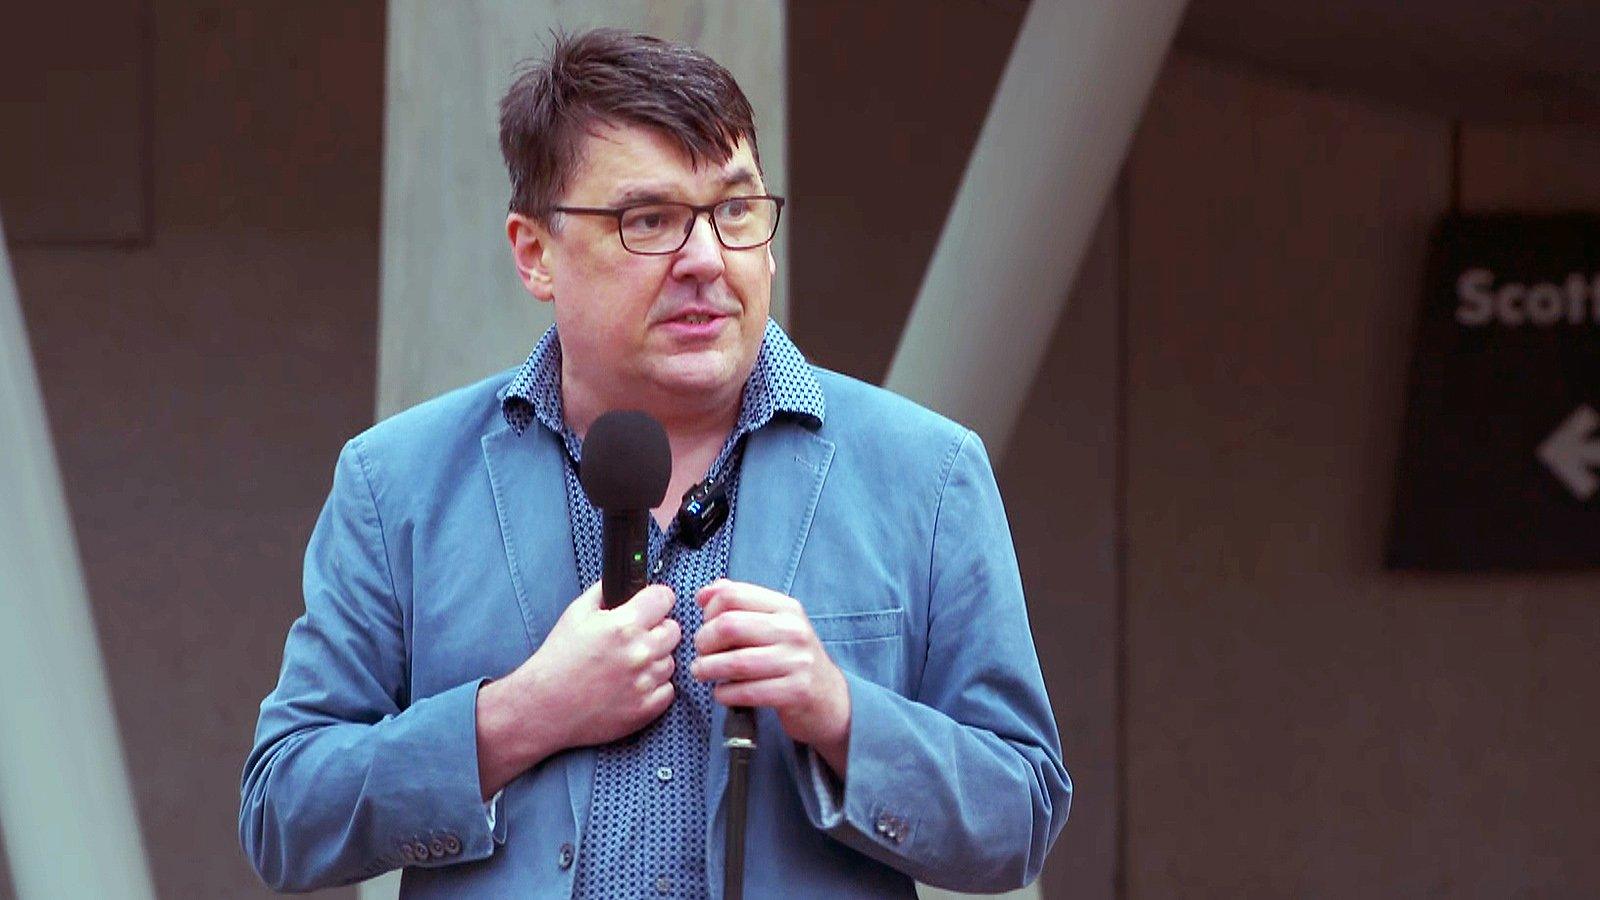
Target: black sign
1500,468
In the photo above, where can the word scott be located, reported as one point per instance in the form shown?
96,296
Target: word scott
1575,302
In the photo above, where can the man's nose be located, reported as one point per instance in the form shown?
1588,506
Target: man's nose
701,256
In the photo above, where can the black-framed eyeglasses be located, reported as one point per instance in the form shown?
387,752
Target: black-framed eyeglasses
660,228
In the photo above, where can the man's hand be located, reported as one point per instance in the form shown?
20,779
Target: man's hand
759,644
599,675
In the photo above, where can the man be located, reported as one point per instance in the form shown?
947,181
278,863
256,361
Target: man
445,703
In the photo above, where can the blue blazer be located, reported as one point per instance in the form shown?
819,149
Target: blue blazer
444,556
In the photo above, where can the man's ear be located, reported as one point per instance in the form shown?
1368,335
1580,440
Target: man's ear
530,252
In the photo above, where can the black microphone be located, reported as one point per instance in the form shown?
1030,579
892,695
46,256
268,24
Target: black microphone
627,463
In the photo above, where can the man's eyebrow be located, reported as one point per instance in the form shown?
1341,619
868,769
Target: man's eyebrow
643,193
740,176
651,192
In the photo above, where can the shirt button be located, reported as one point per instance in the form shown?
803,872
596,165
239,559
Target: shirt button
656,569
566,856
664,773
663,884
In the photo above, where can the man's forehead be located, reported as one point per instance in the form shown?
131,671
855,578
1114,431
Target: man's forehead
635,161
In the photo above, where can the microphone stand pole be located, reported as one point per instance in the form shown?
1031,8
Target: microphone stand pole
739,736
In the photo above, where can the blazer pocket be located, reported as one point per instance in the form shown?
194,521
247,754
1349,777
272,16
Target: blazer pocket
871,625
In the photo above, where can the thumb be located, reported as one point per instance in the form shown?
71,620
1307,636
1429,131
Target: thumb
650,605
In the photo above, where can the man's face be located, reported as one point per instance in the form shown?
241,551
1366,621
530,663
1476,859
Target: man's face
678,331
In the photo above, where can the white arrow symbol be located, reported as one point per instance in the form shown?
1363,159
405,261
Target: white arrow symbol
1570,454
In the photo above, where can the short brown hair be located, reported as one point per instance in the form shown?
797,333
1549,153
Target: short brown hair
619,77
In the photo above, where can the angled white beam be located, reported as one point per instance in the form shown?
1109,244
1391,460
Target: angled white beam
65,804
1045,161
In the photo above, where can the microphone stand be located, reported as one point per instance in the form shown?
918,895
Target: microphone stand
739,736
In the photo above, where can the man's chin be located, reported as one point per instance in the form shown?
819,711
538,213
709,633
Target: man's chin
699,375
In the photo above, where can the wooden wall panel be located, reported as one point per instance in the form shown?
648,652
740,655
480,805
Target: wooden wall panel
1061,484
1530,170
196,429
199,386
74,117
1301,722
268,115
885,103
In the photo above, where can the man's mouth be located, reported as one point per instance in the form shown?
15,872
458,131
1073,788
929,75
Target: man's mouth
699,317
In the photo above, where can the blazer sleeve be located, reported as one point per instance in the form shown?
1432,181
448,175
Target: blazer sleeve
348,777
961,786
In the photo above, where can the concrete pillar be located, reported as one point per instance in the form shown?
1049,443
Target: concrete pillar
66,808
1044,164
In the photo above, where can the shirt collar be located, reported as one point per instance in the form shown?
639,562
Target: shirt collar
780,383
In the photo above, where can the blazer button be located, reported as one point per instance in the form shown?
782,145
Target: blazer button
565,859
452,845
407,854
436,848
421,850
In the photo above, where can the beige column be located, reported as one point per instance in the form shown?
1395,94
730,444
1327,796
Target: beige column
66,807
1027,207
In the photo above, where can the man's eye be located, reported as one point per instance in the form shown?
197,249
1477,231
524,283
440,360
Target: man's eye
735,209
644,221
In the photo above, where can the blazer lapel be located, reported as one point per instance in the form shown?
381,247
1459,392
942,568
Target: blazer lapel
528,475
784,468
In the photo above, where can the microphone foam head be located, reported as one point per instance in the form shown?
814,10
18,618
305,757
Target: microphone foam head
627,461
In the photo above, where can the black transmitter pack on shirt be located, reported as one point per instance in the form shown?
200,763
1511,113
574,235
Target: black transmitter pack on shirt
704,509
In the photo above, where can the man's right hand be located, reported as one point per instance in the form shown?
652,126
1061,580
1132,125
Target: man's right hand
599,675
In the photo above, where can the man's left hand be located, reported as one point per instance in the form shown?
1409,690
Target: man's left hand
762,649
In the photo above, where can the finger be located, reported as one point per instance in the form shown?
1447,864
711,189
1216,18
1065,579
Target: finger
770,693
704,595
663,668
665,636
652,677
659,700
746,664
722,595
740,628
648,607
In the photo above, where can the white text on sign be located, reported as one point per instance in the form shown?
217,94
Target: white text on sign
1575,301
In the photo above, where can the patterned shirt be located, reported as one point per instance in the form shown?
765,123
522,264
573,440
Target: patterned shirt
646,833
